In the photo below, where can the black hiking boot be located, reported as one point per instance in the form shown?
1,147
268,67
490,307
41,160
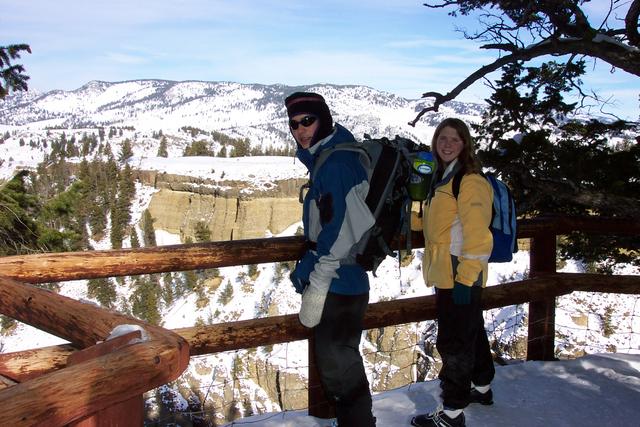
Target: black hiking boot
438,419
482,398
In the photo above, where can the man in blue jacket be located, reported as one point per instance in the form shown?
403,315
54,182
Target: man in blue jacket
335,290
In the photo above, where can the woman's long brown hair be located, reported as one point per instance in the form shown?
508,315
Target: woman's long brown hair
467,156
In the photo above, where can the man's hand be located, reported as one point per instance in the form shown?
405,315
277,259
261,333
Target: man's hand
298,283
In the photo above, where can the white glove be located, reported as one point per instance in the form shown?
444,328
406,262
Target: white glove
312,305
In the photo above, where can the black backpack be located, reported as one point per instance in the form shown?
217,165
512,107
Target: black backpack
388,163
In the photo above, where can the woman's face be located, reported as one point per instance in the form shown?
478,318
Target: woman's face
306,126
449,144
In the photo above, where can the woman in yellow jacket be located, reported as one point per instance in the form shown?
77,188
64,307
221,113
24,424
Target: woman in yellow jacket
458,243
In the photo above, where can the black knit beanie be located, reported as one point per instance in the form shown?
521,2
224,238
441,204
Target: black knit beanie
311,103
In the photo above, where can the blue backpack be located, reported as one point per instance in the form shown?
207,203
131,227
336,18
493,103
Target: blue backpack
503,219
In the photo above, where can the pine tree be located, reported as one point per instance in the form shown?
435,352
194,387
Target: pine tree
560,165
107,151
117,229
126,152
98,209
62,146
227,294
64,218
201,232
168,294
85,173
162,149
103,290
135,240
86,145
126,185
19,232
72,149
145,300
148,232
97,220
7,325
120,207
241,147
198,148
110,179
190,280
252,270
12,75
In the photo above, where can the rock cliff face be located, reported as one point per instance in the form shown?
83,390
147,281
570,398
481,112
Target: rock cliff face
230,210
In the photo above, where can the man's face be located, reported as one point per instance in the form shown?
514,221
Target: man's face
304,127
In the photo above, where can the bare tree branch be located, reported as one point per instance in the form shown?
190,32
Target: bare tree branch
605,48
442,5
561,27
631,23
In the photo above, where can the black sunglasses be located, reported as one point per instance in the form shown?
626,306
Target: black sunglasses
306,122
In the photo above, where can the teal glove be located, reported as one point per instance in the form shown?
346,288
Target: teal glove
461,294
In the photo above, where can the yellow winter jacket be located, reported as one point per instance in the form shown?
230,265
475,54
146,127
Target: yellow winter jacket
457,238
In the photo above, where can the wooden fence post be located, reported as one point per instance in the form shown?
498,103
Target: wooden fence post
318,404
126,413
542,259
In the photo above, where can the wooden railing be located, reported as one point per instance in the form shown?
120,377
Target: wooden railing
99,379
48,386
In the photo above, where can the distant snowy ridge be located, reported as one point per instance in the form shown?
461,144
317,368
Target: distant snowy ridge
240,110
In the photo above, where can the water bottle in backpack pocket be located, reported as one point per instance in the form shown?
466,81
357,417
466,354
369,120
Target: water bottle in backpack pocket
421,174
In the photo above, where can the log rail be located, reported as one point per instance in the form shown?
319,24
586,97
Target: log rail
69,394
41,385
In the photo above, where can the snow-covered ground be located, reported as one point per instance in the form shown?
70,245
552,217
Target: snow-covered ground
595,390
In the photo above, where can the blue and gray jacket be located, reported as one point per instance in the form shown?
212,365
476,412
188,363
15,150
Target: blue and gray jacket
335,217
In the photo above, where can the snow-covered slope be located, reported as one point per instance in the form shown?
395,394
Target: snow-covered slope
253,111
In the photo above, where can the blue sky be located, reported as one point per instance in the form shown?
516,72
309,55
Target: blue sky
400,47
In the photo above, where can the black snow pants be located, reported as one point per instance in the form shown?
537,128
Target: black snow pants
337,351
463,345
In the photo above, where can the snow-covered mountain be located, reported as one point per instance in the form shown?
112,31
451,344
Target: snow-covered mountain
239,110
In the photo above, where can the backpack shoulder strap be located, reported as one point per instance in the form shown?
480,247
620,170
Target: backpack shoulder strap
353,146
346,146
457,179
455,183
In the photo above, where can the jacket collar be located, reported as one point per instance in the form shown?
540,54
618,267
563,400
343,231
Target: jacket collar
451,170
308,155
447,175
